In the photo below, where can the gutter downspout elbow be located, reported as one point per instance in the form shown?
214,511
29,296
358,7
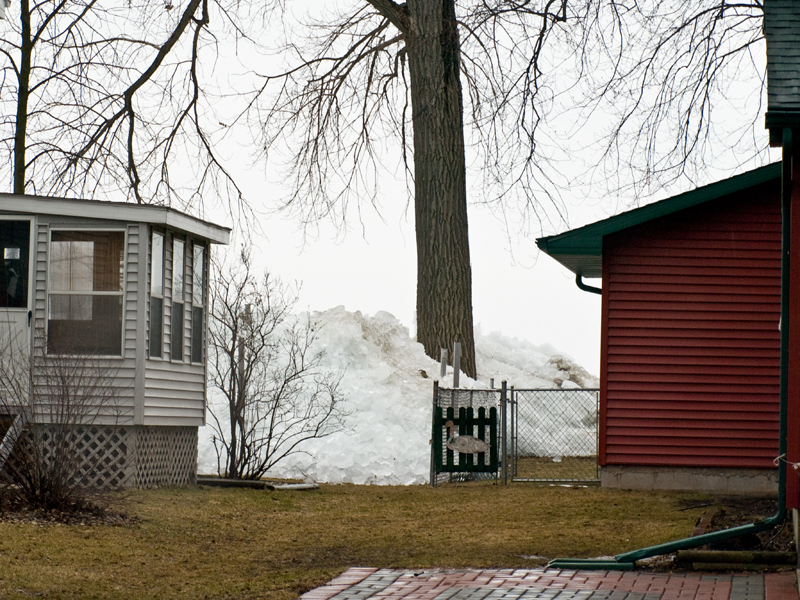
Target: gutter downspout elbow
586,288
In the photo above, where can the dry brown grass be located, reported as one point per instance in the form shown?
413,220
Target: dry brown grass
567,467
235,543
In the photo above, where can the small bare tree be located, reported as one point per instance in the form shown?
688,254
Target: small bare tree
265,364
46,404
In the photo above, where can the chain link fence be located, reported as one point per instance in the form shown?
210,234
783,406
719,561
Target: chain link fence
553,435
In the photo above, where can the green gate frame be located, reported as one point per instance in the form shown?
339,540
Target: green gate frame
443,461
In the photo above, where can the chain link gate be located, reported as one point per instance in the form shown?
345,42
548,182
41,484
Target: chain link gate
553,435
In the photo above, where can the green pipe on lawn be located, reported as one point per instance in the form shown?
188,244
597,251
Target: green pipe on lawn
626,561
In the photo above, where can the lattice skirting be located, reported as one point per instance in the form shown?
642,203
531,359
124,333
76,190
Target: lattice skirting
165,456
113,457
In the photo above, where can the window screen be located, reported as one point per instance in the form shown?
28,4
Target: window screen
85,292
176,351
156,294
198,293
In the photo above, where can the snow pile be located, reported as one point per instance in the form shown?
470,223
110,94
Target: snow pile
389,384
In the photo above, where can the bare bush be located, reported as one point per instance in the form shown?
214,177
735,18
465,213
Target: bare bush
276,392
47,403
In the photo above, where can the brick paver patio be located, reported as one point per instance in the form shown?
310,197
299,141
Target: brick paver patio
553,584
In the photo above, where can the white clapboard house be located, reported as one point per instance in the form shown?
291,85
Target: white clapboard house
123,287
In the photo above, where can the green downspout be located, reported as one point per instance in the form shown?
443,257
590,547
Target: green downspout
587,288
627,560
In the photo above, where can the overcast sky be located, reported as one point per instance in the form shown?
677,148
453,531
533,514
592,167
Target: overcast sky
516,290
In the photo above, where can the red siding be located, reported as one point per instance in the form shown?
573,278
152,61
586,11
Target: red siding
691,346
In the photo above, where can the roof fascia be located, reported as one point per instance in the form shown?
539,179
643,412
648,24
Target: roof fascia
588,240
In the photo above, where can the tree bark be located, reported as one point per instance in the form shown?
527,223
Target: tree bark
23,93
444,273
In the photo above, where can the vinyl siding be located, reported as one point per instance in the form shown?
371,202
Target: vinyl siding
175,391
119,371
691,340
151,392
174,394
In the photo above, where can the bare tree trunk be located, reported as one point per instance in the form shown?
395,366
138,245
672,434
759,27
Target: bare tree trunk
444,273
23,93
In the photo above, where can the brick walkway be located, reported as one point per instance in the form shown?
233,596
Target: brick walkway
553,584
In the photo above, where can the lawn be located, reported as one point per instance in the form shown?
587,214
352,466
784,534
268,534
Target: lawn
238,543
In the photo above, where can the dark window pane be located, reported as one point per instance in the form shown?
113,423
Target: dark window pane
177,332
15,244
156,326
85,324
197,334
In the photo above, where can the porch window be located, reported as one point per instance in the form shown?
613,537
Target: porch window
156,294
84,300
176,350
198,292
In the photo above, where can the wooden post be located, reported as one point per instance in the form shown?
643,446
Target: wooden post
443,361
434,437
456,363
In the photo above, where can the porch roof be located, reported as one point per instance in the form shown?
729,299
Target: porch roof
116,211
581,250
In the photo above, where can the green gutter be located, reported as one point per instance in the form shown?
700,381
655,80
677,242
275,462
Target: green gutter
627,560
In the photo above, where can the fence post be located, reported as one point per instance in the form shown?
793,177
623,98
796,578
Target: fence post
456,363
503,422
443,361
513,460
433,437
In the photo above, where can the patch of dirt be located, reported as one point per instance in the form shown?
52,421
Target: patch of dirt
85,517
741,510
93,509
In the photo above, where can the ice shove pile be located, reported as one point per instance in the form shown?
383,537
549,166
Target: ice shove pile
389,384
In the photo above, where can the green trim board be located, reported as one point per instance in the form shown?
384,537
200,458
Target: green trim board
581,249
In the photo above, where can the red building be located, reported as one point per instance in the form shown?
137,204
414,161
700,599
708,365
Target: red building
690,358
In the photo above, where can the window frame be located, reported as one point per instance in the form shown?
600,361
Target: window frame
31,291
173,355
198,328
152,295
122,293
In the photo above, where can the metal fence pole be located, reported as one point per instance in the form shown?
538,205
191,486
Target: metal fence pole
597,432
503,428
513,434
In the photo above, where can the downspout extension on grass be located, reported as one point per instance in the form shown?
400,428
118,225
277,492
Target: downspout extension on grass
627,560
